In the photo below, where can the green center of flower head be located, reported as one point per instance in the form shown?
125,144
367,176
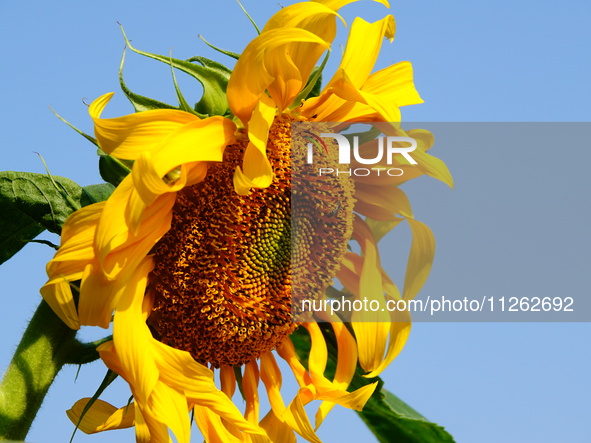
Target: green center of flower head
231,269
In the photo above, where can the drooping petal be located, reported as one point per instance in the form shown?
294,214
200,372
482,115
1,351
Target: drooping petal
254,71
371,325
142,431
101,416
220,404
128,136
400,325
428,164
128,229
363,47
346,365
132,338
97,310
212,428
295,416
310,16
169,407
179,370
250,387
76,243
394,83
75,254
201,140
228,380
389,198
345,97
257,172
271,376
344,88
58,295
420,259
277,430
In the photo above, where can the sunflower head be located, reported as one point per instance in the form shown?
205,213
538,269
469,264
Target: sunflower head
202,256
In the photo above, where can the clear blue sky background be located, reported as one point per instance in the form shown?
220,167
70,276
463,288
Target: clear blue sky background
513,226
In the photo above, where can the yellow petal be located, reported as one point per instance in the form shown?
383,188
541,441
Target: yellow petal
142,432
289,80
228,380
271,376
128,229
399,331
178,369
148,429
98,297
277,430
371,326
169,407
75,254
287,352
379,229
250,387
220,404
200,140
252,74
433,167
211,427
347,356
101,416
420,259
132,338
353,400
427,163
394,83
126,137
343,87
257,169
337,4
390,198
343,98
346,365
310,16
350,271
295,416
318,355
76,244
363,47
58,295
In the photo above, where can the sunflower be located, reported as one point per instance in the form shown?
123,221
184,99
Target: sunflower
191,258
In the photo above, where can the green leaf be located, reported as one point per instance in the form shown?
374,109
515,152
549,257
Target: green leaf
214,81
139,102
388,417
46,200
32,203
96,193
17,230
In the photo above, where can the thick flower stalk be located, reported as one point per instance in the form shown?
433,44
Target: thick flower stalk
191,260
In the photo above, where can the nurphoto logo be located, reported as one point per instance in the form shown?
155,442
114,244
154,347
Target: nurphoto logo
387,146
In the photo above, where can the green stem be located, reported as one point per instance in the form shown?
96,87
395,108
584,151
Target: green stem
46,346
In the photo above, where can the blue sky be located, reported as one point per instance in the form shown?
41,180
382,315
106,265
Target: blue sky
515,225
